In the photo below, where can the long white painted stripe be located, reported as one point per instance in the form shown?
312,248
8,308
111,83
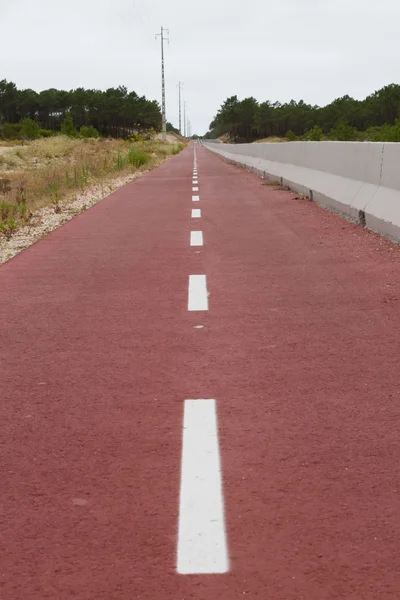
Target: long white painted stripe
195,189
202,546
196,238
196,198
196,213
197,293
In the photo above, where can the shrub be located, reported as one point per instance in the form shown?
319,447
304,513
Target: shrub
142,134
393,134
176,148
68,127
89,132
46,133
8,227
315,134
29,129
5,210
11,131
291,137
137,157
343,132
373,134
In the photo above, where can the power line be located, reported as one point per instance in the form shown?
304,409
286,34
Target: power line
164,119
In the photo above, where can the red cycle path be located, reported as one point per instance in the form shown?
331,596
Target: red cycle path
300,350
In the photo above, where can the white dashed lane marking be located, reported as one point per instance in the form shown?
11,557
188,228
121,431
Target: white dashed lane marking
197,293
196,238
202,546
196,213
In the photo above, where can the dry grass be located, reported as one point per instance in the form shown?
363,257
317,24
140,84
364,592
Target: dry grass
11,143
47,171
271,140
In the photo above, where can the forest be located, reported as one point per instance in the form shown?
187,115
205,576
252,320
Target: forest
114,112
377,118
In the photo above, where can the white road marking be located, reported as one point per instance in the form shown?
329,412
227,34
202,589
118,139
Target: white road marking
195,198
196,213
197,293
195,189
196,238
195,181
202,546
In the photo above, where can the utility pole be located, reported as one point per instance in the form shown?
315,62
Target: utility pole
180,84
184,118
164,119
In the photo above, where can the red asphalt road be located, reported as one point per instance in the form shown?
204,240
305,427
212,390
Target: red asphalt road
300,350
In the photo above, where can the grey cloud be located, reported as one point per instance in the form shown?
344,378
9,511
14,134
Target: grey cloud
310,49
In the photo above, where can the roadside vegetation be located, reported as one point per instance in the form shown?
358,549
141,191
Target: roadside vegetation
49,171
376,119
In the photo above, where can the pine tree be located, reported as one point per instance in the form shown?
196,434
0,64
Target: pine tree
68,127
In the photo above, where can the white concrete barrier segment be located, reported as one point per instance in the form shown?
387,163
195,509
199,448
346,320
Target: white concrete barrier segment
358,179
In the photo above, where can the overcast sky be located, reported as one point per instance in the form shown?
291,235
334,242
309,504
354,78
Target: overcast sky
316,50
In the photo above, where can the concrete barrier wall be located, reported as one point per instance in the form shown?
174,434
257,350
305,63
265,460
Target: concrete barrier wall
359,179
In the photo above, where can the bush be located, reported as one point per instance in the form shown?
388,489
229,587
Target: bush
68,127
46,133
142,134
393,132
10,131
315,134
177,148
343,132
291,136
29,129
137,157
89,132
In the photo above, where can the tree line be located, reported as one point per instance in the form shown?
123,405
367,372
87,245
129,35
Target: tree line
377,118
114,112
